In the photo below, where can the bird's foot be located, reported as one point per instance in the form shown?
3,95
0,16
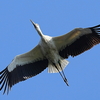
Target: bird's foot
66,81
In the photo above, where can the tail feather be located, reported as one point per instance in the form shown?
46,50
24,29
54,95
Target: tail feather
53,69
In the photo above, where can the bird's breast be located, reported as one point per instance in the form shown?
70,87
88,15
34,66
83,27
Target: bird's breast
49,50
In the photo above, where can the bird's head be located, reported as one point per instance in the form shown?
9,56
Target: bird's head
37,27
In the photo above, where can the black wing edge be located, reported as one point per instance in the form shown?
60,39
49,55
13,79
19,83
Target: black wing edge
82,44
20,73
4,82
95,29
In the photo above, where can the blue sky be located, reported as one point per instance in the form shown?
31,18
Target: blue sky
55,17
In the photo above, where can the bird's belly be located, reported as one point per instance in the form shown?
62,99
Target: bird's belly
51,54
49,50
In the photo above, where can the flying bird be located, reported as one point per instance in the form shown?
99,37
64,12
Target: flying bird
51,52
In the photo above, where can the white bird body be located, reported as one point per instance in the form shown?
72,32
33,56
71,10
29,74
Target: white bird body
51,52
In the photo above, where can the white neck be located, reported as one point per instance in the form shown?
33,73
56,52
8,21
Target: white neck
40,32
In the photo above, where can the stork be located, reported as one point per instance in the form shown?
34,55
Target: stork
51,52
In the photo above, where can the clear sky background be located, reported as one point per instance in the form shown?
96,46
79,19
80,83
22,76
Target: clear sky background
55,17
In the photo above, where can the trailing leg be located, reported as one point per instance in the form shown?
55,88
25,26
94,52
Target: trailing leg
62,74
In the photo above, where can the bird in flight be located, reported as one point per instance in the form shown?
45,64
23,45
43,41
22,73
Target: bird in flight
51,52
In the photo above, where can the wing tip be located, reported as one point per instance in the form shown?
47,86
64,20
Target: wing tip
95,29
4,81
96,26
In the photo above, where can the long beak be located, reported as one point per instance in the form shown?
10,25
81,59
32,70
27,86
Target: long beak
33,23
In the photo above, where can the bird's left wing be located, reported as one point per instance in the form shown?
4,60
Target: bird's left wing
23,67
77,41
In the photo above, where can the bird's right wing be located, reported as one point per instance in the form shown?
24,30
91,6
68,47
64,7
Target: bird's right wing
23,67
77,41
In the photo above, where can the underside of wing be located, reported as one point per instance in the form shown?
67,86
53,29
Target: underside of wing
23,67
77,41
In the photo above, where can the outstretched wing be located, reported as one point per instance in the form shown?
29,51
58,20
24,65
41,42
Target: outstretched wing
23,67
77,41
